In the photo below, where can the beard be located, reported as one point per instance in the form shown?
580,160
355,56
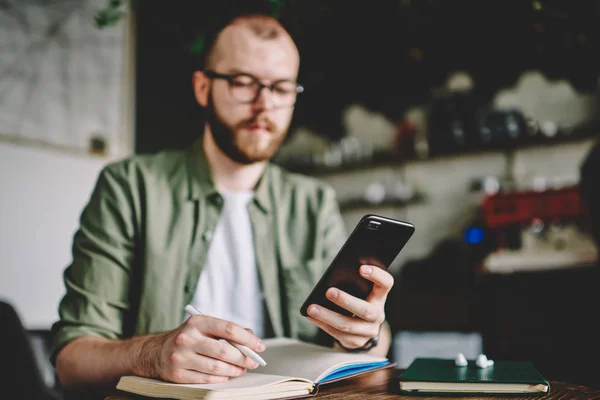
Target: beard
243,148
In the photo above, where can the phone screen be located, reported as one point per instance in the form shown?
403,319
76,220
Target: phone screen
375,241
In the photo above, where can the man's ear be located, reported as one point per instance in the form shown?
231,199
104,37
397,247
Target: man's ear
201,85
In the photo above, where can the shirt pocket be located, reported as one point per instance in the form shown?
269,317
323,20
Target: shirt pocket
299,281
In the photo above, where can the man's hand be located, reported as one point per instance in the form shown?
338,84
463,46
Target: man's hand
193,352
369,314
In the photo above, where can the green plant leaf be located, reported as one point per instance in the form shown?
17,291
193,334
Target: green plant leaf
198,45
110,15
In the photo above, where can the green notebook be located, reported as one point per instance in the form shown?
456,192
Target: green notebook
436,375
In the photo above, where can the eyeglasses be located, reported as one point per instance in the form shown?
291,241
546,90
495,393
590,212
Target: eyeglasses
246,88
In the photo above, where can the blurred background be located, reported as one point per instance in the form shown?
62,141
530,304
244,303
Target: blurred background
476,121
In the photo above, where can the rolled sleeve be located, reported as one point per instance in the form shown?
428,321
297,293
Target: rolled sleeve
97,281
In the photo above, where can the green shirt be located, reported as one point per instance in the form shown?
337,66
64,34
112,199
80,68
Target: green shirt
145,233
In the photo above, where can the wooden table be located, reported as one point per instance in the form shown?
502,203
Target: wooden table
382,385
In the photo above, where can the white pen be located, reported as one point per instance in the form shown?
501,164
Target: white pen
193,311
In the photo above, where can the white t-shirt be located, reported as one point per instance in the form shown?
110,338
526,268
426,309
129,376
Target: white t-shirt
229,285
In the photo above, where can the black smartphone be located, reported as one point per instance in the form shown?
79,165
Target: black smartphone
376,241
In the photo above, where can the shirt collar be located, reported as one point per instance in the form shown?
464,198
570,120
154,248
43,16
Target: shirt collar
201,184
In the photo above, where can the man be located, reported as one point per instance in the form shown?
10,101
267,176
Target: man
218,227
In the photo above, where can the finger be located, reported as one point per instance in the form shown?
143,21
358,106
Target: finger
358,307
191,376
382,282
211,366
349,341
342,323
329,329
233,332
221,350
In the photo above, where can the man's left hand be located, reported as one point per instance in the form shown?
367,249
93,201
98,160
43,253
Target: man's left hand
369,314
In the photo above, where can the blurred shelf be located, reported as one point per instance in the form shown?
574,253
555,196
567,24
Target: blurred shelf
389,158
380,158
359,203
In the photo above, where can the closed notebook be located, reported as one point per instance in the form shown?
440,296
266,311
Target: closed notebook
294,369
435,375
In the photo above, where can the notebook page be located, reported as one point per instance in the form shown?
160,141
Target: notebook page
289,357
244,382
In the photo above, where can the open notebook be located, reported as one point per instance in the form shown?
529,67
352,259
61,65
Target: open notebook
294,369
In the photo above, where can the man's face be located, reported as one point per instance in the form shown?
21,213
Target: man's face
250,132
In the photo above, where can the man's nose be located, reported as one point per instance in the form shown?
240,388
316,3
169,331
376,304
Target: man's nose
264,99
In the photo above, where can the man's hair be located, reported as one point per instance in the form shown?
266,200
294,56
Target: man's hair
260,23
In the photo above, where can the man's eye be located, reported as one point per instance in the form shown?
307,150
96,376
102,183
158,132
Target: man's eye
285,88
242,81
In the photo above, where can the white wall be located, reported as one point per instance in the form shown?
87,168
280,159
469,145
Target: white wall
43,190
450,206
42,195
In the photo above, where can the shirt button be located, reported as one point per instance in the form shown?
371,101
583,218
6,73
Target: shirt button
206,236
188,288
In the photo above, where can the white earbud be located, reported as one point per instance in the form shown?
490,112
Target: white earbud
483,362
460,360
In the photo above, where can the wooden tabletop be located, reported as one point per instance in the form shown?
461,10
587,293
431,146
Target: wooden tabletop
382,385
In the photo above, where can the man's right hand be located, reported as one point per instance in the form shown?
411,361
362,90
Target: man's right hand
193,352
